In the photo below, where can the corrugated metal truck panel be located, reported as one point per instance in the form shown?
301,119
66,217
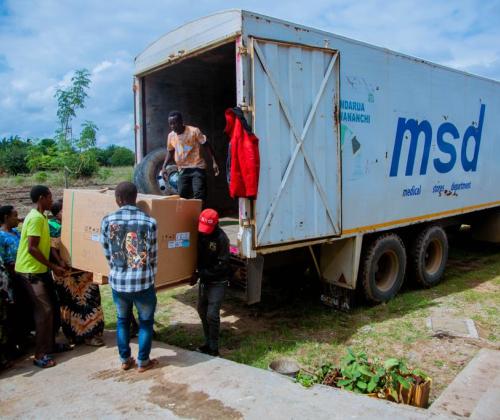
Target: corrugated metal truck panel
381,90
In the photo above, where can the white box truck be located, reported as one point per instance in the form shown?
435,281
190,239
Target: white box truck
367,155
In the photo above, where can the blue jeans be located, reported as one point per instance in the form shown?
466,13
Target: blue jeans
145,302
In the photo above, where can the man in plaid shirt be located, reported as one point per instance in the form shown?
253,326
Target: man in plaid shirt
129,239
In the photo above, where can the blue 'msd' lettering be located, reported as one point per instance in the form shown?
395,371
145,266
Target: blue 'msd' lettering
475,133
444,167
415,131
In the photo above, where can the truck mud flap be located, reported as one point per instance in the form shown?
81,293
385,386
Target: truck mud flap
338,298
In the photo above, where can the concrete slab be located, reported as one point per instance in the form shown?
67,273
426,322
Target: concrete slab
488,407
475,391
87,383
452,326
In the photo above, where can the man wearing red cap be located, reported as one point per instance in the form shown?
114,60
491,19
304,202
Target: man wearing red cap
213,272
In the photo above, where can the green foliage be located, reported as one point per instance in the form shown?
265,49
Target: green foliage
115,156
306,379
359,374
122,157
104,174
70,100
78,156
43,155
13,152
88,135
41,177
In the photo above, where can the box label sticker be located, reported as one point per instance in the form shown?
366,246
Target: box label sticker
179,244
182,236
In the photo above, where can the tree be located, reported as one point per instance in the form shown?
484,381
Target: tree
13,154
77,155
43,155
71,99
122,157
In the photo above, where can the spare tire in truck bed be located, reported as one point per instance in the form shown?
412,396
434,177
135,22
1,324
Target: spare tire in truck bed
147,171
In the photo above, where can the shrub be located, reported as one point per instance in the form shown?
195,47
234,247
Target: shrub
41,177
13,155
122,157
390,380
43,156
104,174
82,165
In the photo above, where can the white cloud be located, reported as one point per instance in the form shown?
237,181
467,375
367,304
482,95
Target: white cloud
101,67
125,129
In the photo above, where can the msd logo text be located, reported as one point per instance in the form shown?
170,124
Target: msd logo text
446,141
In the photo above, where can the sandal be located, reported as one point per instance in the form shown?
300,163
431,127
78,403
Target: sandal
129,363
94,342
151,364
62,347
45,362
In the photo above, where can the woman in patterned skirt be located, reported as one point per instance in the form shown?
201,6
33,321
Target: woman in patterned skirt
82,318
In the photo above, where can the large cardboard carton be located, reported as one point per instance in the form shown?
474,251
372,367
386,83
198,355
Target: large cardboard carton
176,218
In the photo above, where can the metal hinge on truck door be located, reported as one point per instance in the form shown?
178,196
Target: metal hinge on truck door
245,107
242,50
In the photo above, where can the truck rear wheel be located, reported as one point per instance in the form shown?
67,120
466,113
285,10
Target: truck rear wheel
146,174
429,255
383,269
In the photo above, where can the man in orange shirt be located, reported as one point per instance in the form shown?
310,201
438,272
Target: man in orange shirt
184,146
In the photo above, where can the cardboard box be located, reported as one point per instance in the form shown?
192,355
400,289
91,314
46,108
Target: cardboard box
177,222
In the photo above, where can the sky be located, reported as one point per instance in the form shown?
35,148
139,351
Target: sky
42,42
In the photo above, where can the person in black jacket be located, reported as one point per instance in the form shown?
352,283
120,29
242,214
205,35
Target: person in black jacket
213,273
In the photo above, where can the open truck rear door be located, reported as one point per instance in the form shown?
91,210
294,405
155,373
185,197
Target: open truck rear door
295,93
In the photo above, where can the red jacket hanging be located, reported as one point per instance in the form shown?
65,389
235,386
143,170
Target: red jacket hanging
244,155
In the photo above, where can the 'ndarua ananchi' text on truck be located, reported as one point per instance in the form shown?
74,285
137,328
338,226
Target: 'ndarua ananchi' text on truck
369,158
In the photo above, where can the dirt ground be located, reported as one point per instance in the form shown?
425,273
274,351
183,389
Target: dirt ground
19,197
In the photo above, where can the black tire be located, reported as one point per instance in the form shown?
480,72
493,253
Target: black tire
383,268
147,171
429,255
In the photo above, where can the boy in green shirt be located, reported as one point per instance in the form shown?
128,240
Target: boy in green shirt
32,265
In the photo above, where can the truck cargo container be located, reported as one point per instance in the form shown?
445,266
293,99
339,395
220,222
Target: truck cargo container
367,155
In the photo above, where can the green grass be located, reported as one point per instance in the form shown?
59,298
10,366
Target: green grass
112,175
164,330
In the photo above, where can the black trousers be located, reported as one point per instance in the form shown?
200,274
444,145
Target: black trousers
40,290
210,297
20,314
192,183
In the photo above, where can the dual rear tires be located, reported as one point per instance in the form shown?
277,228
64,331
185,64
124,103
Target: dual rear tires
386,262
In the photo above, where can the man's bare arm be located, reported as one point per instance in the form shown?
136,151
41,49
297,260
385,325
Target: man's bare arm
211,153
33,242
